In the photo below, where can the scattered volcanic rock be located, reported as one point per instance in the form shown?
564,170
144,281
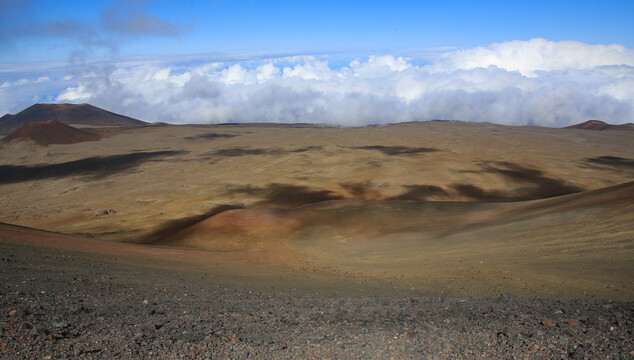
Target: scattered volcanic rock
600,125
87,306
51,132
82,114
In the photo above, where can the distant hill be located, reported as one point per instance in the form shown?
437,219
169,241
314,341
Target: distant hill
600,125
51,132
70,114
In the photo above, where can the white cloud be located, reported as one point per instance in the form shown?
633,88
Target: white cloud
529,57
267,72
378,66
534,82
18,82
74,94
314,70
236,74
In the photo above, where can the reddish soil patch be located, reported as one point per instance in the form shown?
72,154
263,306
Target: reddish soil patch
258,235
249,220
600,125
590,125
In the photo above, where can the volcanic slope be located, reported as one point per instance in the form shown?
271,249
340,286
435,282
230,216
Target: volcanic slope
403,202
70,114
140,180
578,245
51,132
600,125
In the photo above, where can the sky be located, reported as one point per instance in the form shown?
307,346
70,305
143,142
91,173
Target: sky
351,63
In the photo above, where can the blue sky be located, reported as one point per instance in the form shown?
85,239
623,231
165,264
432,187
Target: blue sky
297,26
550,63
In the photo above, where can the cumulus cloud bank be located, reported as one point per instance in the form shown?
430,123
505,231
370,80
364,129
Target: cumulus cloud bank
536,82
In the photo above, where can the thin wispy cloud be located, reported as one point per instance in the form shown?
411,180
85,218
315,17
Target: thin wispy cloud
15,26
129,18
118,22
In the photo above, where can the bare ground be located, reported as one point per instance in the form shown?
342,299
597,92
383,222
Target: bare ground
438,240
68,304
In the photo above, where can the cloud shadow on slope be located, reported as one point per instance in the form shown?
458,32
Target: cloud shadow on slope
613,161
394,150
535,184
235,152
93,167
420,193
166,231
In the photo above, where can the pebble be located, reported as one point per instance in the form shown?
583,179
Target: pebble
60,325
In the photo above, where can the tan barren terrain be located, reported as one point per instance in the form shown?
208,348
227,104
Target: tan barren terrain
440,207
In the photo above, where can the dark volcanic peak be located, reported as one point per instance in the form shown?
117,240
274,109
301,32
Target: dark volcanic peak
82,114
51,132
600,125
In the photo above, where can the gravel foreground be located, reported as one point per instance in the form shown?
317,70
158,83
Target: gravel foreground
59,304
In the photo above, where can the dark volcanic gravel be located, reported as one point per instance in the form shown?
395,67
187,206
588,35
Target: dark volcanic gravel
56,304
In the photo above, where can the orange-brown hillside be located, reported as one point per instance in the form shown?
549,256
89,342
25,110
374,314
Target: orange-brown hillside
568,244
71,114
51,132
599,125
